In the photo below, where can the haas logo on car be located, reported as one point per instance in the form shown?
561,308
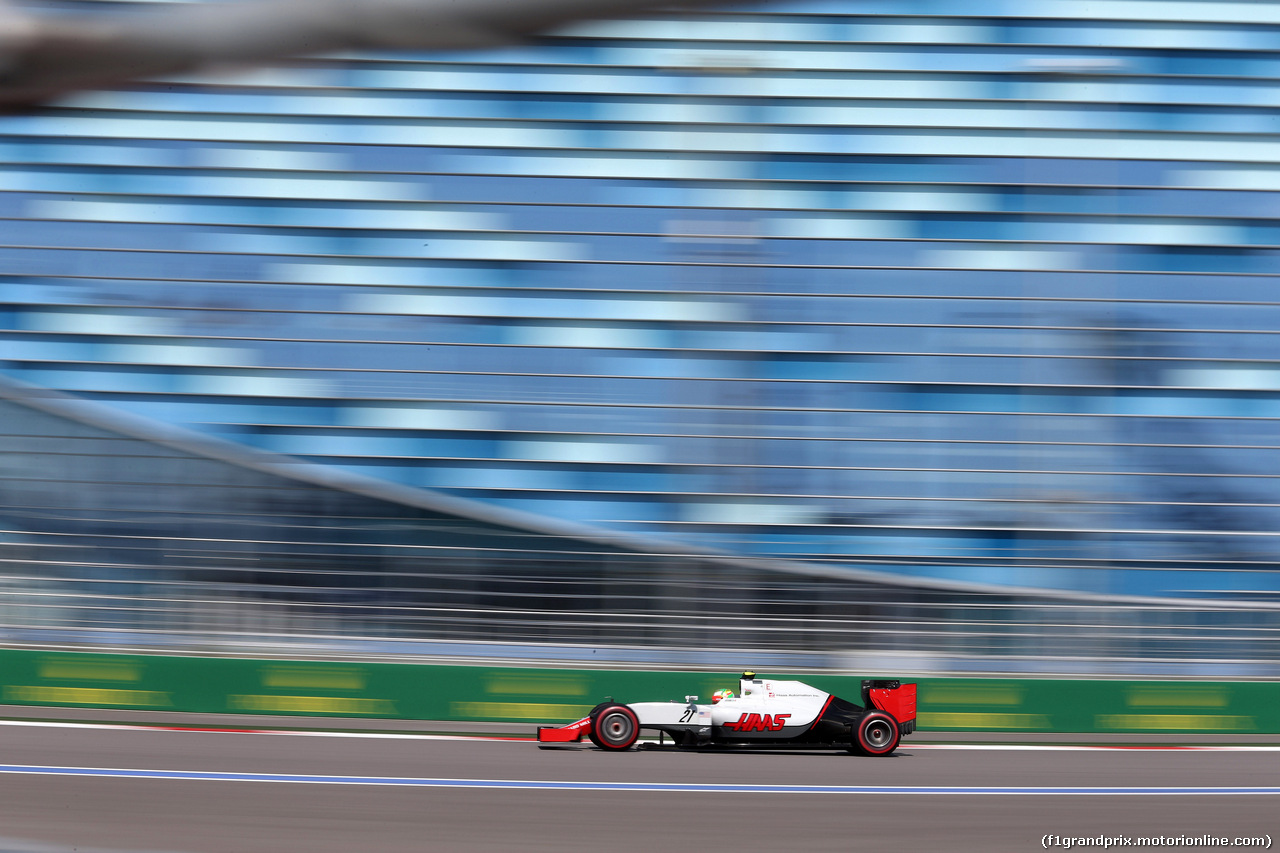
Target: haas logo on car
759,723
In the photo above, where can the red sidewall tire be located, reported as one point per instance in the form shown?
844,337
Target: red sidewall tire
876,733
615,727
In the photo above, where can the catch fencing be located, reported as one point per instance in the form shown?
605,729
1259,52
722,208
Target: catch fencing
627,612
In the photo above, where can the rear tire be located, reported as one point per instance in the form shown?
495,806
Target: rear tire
614,727
875,733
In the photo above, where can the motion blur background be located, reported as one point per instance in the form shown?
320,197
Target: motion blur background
885,335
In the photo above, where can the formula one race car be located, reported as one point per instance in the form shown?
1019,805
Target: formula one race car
768,713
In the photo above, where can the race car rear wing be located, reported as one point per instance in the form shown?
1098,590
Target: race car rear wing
892,697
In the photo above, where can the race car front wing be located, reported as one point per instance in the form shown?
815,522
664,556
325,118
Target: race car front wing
568,733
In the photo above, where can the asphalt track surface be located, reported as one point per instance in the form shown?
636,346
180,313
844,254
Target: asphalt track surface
931,798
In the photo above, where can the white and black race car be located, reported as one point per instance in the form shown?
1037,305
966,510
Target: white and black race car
767,713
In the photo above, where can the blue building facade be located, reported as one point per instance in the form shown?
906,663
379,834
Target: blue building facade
977,295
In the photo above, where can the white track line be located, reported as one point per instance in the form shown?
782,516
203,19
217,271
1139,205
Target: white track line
1094,747
906,745
124,727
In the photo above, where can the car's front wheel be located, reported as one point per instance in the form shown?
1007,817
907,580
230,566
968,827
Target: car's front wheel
875,733
614,727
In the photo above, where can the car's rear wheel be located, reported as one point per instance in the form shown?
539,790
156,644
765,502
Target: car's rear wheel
875,733
614,727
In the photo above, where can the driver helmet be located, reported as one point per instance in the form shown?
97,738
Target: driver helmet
721,694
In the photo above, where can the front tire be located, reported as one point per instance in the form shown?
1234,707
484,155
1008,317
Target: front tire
875,733
614,727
